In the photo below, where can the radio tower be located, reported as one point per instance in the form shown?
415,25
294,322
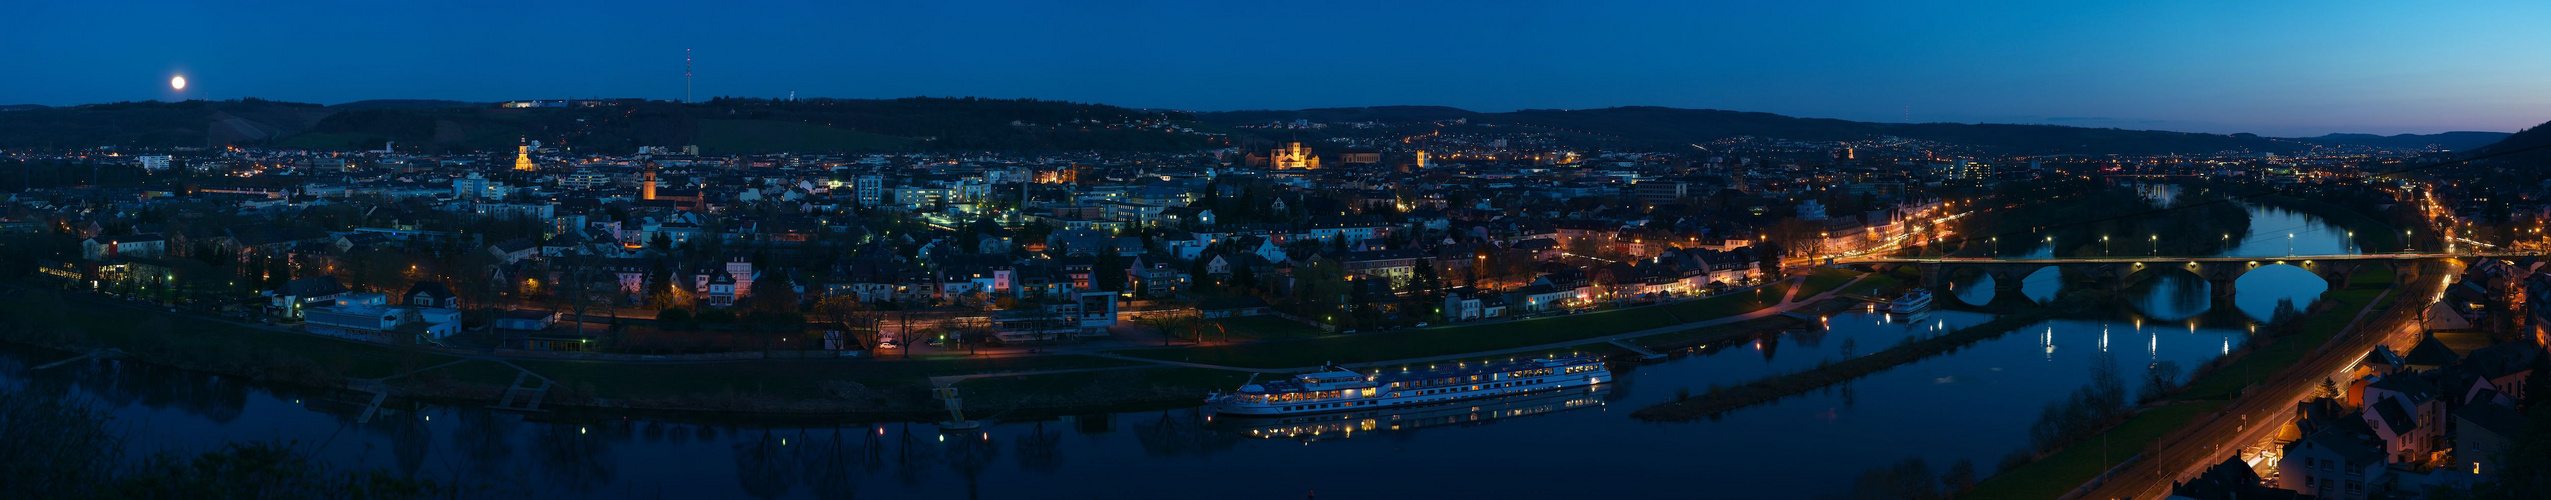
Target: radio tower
686,76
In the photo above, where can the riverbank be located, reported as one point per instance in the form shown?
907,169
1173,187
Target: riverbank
1721,400
835,387
1458,340
2055,474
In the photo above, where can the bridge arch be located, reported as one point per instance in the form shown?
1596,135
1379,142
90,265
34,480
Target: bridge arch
2262,285
2167,292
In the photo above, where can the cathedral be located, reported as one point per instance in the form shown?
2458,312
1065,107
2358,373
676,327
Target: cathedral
1294,156
522,158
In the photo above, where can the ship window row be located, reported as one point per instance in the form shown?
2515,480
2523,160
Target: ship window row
1301,396
1583,368
1471,388
1328,405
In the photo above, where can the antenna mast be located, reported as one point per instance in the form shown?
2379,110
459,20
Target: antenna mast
686,76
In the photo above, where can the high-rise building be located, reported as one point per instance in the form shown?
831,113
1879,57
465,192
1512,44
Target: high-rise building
871,189
1661,192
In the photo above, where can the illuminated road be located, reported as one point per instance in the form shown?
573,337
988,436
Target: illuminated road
2269,405
2103,260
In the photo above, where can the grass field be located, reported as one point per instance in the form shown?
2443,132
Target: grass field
1824,279
754,136
1415,343
990,396
2059,473
1873,284
474,372
1446,341
1703,334
1262,328
196,343
1727,305
794,379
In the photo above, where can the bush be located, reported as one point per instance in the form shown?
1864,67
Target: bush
672,316
2014,460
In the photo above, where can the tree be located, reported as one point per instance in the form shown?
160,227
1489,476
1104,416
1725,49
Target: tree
773,293
974,331
1109,273
2160,381
672,316
1169,325
663,290
1960,477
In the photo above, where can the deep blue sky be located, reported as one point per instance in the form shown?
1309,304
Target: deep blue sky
2269,67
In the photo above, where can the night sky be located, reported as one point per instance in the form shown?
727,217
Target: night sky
2269,67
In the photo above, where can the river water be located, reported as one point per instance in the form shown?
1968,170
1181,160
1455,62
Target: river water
1972,404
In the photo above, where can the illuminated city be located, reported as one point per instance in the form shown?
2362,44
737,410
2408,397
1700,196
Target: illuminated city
1019,249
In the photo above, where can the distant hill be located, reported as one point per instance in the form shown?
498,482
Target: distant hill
720,126
1387,114
2538,136
2454,141
1669,128
406,104
157,124
22,107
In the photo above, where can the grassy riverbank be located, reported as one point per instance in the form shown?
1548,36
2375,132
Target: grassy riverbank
2065,470
1454,340
78,324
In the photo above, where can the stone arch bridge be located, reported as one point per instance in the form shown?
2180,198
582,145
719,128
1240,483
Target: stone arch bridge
2118,273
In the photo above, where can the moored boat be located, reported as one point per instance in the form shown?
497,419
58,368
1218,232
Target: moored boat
1911,302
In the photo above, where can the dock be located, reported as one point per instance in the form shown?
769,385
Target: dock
1644,354
521,398
92,354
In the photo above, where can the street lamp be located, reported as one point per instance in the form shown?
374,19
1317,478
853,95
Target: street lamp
1997,247
2156,245
2103,245
2289,244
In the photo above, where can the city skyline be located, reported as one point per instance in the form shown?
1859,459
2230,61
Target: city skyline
2353,68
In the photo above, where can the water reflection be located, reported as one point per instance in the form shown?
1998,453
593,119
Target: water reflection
1309,428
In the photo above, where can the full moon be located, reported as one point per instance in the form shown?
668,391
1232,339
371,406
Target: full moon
178,83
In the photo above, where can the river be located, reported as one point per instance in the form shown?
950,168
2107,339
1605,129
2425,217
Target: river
1972,404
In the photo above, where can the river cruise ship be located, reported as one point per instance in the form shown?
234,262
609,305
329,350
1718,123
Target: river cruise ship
1911,302
1340,390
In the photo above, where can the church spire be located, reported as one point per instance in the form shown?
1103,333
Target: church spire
522,156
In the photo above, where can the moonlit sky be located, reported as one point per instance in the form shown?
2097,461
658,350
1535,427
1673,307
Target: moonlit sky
2281,68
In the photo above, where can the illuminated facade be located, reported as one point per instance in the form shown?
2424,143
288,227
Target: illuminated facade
1293,156
522,158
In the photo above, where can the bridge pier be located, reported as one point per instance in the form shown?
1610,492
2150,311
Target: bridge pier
2005,285
2223,294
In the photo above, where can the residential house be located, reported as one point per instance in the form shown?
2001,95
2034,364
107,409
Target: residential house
148,246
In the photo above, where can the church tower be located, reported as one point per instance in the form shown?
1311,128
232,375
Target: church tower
646,185
522,158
